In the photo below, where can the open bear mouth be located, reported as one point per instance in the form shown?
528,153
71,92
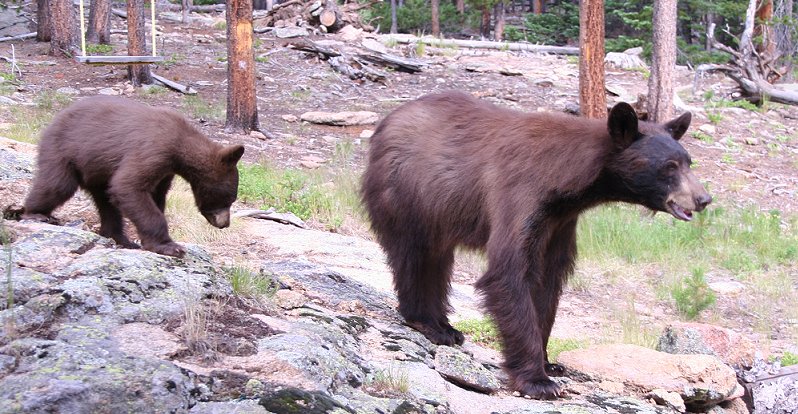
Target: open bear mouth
679,212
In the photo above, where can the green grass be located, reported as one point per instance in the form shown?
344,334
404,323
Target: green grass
703,137
198,108
328,196
741,240
27,122
484,332
481,331
250,284
98,49
714,117
392,380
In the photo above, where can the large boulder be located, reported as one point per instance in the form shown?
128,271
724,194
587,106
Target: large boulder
701,380
697,338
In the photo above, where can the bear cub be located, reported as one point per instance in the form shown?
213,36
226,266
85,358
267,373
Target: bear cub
125,154
450,170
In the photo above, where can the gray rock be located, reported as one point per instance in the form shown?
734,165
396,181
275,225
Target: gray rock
15,165
696,338
57,376
341,118
229,407
461,369
290,32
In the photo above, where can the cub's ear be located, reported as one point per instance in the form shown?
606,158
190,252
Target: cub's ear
678,126
231,155
622,125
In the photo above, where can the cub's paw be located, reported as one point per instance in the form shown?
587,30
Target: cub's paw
554,370
169,249
540,390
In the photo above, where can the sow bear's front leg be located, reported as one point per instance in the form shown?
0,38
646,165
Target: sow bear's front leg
506,286
134,199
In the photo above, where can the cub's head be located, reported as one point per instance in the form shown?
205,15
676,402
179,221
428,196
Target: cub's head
217,188
653,168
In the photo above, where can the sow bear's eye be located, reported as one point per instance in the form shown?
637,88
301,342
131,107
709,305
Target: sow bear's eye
671,167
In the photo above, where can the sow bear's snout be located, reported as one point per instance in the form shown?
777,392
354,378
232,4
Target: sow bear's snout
702,201
218,218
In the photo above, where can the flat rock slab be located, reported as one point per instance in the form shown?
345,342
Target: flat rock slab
459,368
702,380
341,118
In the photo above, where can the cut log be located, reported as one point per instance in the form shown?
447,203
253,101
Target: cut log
328,18
480,44
18,37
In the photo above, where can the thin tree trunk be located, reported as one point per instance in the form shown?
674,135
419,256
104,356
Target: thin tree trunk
592,100
460,5
44,24
64,31
436,23
137,42
498,29
242,108
99,29
484,27
394,25
663,59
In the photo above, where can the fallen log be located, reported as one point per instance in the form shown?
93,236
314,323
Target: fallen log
188,90
18,37
480,44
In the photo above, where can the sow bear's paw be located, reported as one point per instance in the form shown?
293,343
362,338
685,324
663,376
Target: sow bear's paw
169,249
540,390
554,370
439,335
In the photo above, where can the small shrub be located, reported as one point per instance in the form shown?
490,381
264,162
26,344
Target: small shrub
789,359
692,295
714,117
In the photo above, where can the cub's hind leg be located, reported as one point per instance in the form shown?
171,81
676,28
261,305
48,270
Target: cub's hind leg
55,183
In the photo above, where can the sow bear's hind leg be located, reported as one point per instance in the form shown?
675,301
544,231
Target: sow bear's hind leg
111,224
421,280
55,183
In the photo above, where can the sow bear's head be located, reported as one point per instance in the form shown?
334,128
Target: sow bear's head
653,167
217,189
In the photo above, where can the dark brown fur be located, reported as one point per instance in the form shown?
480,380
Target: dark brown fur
125,154
449,170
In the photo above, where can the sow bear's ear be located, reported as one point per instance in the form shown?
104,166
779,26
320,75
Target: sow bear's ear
622,125
678,126
231,155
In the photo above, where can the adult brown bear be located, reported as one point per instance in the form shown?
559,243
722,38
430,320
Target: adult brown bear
125,154
448,170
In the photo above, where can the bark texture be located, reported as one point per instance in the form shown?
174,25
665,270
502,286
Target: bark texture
137,42
436,19
44,24
64,28
242,108
663,59
592,100
99,29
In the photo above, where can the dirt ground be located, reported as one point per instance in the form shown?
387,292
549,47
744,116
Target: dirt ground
752,160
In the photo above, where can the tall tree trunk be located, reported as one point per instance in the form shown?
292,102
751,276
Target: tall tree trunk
394,24
498,29
592,100
44,25
460,5
484,28
709,19
63,36
537,6
436,18
242,108
137,42
99,30
663,59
